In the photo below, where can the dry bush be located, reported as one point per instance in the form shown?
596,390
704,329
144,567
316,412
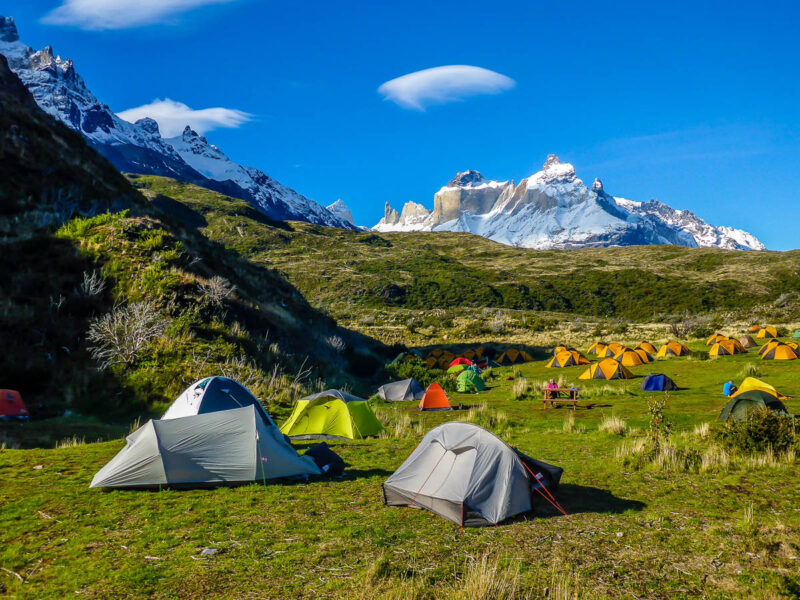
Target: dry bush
118,336
93,284
216,289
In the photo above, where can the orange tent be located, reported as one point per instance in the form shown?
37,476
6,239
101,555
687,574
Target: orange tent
647,347
673,349
726,347
717,337
435,399
754,328
597,348
644,355
12,406
616,348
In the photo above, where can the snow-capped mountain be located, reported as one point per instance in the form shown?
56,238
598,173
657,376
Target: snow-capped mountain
340,209
553,208
138,147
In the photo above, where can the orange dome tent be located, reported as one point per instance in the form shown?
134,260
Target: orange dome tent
767,332
435,399
567,358
629,358
647,347
726,348
717,337
780,352
644,355
673,349
597,348
606,369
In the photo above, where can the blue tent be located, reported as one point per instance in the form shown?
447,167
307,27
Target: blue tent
658,382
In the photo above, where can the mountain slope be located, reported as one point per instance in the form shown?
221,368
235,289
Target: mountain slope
80,243
139,147
554,209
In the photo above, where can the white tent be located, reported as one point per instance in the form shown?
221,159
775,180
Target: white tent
469,476
222,447
212,394
399,391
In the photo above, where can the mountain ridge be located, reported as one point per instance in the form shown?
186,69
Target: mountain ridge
138,147
554,209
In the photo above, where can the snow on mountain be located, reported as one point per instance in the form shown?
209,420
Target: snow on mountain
340,209
553,208
138,147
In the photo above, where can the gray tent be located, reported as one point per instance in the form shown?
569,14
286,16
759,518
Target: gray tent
212,394
223,447
399,391
468,476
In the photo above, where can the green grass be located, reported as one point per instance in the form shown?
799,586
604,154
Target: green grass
731,532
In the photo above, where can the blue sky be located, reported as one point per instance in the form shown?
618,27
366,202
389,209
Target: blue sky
694,103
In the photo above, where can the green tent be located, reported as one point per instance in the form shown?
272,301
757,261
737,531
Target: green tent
738,407
332,414
456,369
469,381
796,333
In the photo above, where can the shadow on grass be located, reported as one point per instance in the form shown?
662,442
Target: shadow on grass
577,499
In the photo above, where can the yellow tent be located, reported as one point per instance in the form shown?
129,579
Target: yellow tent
752,384
647,347
717,337
673,349
767,333
769,346
615,347
436,352
629,358
606,369
597,348
780,352
567,358
513,356
726,348
562,348
431,362
644,355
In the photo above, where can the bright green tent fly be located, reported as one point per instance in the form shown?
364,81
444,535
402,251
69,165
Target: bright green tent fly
469,381
332,414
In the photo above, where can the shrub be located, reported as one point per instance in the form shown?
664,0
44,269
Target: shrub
613,425
118,336
761,429
216,289
751,369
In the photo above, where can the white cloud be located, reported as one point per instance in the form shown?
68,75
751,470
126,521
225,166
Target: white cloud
173,116
119,14
440,85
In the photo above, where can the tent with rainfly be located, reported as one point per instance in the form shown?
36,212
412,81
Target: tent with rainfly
214,448
456,369
607,368
401,391
673,349
629,358
647,347
717,337
747,342
435,399
658,382
213,394
644,355
780,351
597,348
567,358
753,394
470,477
469,381
12,408
768,332
726,348
332,414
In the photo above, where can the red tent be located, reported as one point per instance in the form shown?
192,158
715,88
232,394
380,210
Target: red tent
12,406
461,361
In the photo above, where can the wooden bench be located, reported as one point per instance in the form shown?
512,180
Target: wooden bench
560,396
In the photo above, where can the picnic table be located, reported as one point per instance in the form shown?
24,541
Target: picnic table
556,396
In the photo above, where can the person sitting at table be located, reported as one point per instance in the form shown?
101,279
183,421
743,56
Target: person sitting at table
552,386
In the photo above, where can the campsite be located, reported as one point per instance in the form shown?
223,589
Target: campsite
715,529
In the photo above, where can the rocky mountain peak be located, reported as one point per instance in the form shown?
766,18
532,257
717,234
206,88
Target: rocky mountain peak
553,169
597,186
390,215
149,125
552,159
467,178
8,30
190,135
341,210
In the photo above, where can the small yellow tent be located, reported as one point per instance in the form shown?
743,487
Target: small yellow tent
615,347
431,362
673,349
767,332
597,348
717,337
644,355
629,358
436,352
726,348
562,348
606,369
513,356
780,352
567,358
332,413
769,346
647,347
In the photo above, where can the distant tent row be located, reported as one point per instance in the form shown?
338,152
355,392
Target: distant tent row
513,356
727,347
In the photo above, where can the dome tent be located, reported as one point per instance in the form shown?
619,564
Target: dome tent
658,382
726,348
647,347
747,342
456,369
513,356
607,368
400,391
469,381
597,348
673,349
567,358
213,394
629,358
332,414
469,476
12,408
216,448
435,399
753,394
460,360
779,351
717,337
768,332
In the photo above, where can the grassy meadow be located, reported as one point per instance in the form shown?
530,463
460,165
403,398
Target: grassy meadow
713,528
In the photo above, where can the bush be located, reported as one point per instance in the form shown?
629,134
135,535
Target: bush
118,336
761,430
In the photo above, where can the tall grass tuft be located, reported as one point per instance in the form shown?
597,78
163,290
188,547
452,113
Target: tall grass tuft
702,430
569,426
520,389
750,369
486,579
71,442
613,425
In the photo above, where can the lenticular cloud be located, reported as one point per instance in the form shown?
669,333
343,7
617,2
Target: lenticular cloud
119,14
173,116
441,85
